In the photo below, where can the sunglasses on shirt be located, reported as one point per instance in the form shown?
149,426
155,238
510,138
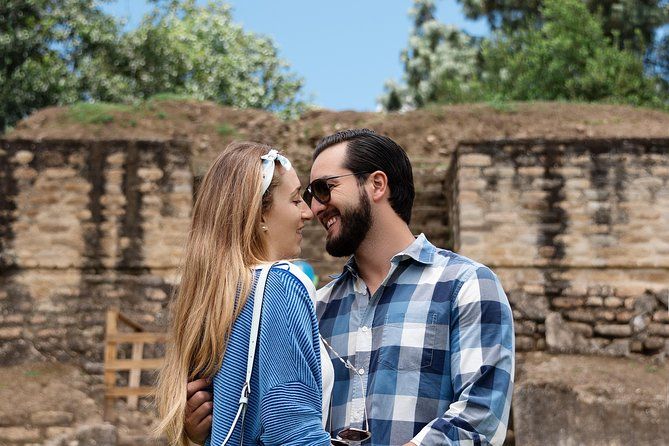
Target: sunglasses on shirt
349,434
320,188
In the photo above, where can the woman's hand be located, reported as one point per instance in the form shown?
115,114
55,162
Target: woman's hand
199,407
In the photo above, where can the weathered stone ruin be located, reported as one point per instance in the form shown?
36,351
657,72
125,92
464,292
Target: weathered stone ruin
577,230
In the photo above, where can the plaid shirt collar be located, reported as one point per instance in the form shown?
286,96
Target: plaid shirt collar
420,251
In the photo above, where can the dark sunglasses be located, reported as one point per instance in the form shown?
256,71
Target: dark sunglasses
320,188
350,435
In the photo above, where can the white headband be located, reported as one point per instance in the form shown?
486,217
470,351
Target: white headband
268,167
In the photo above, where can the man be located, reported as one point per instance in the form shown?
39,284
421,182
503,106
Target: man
421,338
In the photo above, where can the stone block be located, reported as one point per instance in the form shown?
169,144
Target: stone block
10,333
58,431
525,327
594,301
624,316
613,330
525,343
659,329
18,435
560,337
654,343
532,307
613,302
580,315
605,315
23,157
567,302
59,173
24,173
98,434
618,347
51,418
150,173
475,160
580,328
661,316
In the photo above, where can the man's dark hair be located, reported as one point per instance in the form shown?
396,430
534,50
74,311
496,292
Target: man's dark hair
367,151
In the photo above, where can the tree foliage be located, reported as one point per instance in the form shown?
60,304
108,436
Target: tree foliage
567,58
630,23
564,54
42,43
440,63
61,51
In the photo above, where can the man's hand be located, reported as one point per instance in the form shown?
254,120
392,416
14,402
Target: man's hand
199,407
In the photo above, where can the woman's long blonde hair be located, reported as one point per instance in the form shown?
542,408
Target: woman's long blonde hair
225,240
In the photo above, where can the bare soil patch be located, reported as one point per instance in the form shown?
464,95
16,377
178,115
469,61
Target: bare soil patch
434,131
637,380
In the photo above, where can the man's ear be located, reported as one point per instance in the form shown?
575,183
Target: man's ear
379,183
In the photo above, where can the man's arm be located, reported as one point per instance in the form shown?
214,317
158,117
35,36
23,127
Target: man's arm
199,407
481,366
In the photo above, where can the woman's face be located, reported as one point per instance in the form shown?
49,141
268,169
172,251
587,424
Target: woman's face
286,217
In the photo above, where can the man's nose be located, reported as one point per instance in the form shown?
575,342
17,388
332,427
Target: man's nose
316,206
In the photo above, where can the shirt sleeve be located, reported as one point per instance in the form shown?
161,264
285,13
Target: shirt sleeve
481,366
289,366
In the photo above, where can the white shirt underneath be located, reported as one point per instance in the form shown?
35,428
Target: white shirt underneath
328,380
326,364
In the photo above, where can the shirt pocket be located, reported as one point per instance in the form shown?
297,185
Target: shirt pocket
408,341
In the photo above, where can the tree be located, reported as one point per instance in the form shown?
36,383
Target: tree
440,63
58,52
42,43
567,58
630,23
562,55
199,52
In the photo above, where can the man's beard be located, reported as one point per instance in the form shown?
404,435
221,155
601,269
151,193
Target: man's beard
353,227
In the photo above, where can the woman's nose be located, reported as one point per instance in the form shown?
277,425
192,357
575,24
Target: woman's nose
306,212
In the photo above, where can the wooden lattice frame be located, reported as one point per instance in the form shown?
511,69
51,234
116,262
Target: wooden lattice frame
135,365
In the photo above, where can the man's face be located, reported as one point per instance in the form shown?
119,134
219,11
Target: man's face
347,217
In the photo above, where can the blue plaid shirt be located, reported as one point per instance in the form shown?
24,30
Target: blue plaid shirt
434,346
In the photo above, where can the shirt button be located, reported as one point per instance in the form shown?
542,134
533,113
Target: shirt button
361,371
364,328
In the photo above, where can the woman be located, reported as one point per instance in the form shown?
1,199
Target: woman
248,212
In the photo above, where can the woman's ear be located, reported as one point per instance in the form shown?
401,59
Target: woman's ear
379,183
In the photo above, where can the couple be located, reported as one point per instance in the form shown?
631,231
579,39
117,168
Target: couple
417,342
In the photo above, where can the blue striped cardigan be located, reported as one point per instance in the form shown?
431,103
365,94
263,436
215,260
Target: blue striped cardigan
285,402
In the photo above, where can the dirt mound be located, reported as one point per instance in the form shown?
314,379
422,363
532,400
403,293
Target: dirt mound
198,120
427,133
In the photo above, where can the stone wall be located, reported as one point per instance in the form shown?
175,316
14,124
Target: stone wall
85,226
578,232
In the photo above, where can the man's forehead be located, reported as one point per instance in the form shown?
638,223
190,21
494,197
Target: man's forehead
329,162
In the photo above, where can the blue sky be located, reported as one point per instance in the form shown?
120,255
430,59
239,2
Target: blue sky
345,50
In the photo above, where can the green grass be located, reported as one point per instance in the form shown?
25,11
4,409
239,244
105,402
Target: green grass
226,130
651,368
167,96
32,373
503,106
96,112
